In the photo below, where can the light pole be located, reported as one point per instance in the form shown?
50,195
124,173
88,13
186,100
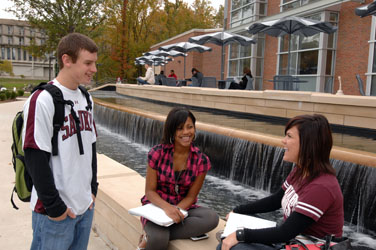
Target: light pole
49,66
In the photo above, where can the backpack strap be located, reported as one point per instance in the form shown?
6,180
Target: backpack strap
87,96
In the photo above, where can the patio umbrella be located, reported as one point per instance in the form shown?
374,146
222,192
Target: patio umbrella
185,47
291,25
222,39
165,54
366,10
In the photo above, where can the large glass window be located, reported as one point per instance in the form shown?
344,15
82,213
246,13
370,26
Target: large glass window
292,4
371,79
244,11
300,55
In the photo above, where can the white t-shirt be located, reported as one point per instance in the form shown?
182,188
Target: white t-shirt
72,172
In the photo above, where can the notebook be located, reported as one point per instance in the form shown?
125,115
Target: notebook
155,214
236,221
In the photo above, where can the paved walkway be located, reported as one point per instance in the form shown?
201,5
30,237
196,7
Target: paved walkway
15,225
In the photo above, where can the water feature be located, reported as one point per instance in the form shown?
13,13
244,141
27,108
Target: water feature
254,167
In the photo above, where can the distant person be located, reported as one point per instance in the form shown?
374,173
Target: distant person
311,198
160,78
175,174
197,77
172,74
118,80
64,185
149,76
243,83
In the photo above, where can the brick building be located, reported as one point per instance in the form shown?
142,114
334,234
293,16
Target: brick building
318,59
15,37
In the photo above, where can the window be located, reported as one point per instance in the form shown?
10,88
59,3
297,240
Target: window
244,11
10,40
10,30
19,54
24,55
8,53
13,53
292,4
21,41
305,53
2,53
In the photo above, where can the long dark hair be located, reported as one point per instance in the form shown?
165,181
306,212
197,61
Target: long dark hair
175,117
316,142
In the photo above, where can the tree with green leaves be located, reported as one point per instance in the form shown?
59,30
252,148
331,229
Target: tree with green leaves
6,67
57,18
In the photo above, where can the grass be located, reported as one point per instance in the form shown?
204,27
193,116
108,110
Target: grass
10,83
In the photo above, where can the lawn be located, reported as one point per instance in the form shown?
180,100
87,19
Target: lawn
10,83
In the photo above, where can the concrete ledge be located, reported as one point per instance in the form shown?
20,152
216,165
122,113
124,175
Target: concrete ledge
347,110
120,189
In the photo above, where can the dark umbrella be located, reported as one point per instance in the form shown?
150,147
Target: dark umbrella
366,10
165,54
222,39
291,25
185,47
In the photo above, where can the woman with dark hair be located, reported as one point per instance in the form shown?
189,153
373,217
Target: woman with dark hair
243,83
310,197
175,174
197,77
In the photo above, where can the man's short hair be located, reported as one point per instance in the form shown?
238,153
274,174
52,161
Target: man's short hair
71,45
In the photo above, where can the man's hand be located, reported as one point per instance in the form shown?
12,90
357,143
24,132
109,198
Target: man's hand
229,241
67,212
92,204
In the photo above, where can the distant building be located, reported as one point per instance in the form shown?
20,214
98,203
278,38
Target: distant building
15,36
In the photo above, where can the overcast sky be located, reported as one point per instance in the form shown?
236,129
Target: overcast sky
6,4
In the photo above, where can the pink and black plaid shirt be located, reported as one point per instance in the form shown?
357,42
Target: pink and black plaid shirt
160,158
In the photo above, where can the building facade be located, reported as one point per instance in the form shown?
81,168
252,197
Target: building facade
15,37
317,60
320,59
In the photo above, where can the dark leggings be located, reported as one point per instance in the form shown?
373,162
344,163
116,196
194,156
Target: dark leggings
199,221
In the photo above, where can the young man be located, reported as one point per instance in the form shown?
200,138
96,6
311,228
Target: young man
65,185
149,76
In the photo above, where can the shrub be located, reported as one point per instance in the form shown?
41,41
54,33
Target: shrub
20,92
2,96
13,95
7,94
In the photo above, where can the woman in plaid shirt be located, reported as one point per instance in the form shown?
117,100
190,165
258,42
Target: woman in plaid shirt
175,174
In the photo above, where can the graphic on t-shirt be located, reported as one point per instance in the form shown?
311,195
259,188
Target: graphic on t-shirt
289,201
69,129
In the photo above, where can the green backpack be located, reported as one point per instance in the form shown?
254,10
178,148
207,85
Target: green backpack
23,182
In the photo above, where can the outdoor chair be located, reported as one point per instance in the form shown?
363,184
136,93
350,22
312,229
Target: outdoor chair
249,83
169,81
209,82
228,82
360,84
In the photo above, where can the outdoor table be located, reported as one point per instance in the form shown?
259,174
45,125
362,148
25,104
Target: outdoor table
221,84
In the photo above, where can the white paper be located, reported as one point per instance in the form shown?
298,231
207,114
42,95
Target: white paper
155,214
236,221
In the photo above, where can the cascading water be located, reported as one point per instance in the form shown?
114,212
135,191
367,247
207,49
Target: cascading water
253,164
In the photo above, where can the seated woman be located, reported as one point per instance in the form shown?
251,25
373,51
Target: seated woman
149,76
310,197
196,76
243,83
175,173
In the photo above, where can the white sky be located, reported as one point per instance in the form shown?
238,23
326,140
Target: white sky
6,4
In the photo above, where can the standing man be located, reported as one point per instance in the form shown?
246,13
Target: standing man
65,185
149,75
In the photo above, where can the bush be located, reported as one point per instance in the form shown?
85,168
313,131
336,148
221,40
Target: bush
13,95
7,94
20,92
2,96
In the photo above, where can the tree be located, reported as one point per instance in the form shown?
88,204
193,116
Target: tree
57,18
6,67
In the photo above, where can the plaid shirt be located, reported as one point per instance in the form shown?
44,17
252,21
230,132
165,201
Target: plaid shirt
160,158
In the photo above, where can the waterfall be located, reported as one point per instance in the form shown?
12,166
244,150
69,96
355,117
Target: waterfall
253,164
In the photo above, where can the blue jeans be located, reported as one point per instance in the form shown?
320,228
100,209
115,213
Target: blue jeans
250,246
142,82
72,234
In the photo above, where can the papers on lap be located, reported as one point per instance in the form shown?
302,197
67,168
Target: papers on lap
155,214
236,221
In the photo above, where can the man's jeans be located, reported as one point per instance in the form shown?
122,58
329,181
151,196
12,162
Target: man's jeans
141,82
72,234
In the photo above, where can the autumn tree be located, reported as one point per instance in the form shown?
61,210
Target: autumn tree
6,67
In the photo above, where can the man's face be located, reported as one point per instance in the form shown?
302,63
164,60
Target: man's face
84,68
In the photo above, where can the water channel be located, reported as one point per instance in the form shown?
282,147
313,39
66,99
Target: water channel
218,193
